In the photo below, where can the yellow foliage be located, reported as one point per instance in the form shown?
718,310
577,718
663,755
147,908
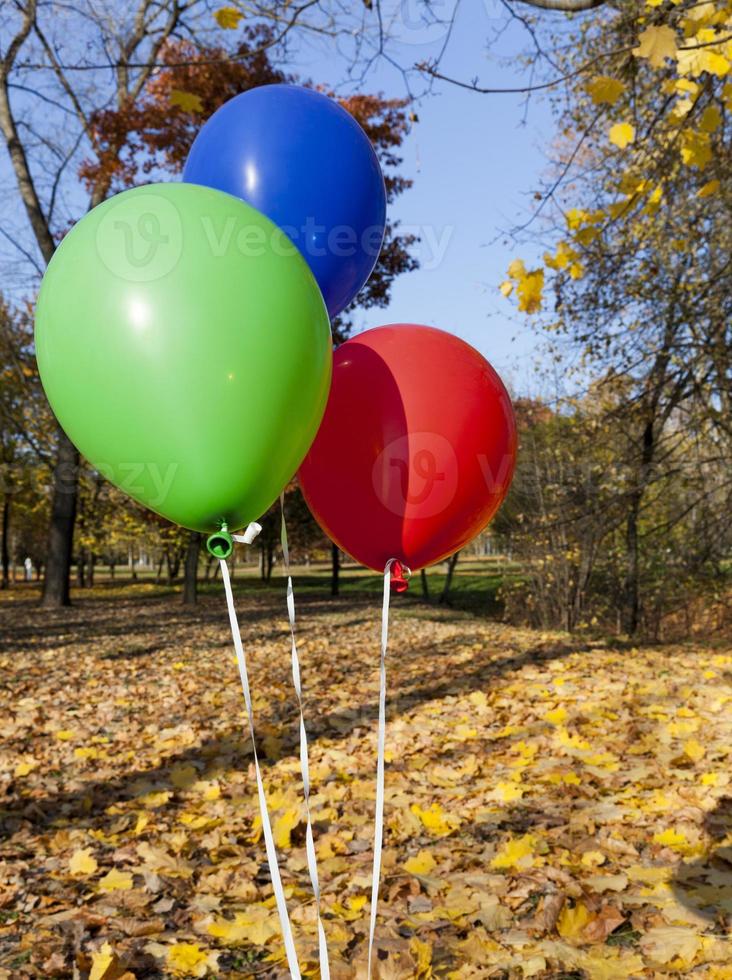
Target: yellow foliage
621,134
435,820
420,864
696,150
604,90
518,852
284,825
187,101
422,953
189,960
656,44
102,960
82,862
529,291
572,921
115,881
228,17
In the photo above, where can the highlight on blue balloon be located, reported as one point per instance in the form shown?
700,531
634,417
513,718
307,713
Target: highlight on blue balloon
303,161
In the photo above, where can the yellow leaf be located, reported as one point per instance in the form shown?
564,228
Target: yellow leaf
671,838
210,790
694,750
656,44
65,735
571,922
435,820
284,825
143,819
82,862
665,943
101,962
604,90
593,859
711,119
420,864
517,269
576,217
86,753
710,779
557,716
115,881
576,270
187,101
228,18
352,908
507,792
518,852
422,953
256,926
529,290
695,151
23,768
155,800
694,61
189,960
621,134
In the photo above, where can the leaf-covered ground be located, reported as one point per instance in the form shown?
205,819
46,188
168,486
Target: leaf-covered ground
555,808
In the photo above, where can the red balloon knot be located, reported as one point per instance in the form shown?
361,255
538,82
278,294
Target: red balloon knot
399,582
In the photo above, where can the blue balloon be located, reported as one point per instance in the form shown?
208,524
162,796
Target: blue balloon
301,159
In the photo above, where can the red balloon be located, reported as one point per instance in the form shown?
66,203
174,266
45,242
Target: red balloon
416,450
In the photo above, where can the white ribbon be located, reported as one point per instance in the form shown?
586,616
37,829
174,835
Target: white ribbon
304,762
247,538
266,827
380,744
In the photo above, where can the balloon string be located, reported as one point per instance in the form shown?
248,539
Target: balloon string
304,762
269,843
380,747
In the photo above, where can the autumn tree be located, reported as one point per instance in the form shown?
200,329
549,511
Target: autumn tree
638,216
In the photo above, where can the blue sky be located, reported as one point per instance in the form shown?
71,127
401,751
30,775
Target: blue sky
475,161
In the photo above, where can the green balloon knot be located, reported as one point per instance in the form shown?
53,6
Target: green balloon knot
220,544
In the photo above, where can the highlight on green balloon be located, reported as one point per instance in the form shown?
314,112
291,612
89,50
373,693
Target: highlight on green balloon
185,348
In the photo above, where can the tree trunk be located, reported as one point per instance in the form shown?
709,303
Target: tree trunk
270,559
425,584
335,557
61,531
631,585
5,584
80,569
445,594
190,580
90,569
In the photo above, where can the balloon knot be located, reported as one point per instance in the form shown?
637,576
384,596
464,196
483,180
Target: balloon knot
399,580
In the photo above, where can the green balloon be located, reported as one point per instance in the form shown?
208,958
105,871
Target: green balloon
185,348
